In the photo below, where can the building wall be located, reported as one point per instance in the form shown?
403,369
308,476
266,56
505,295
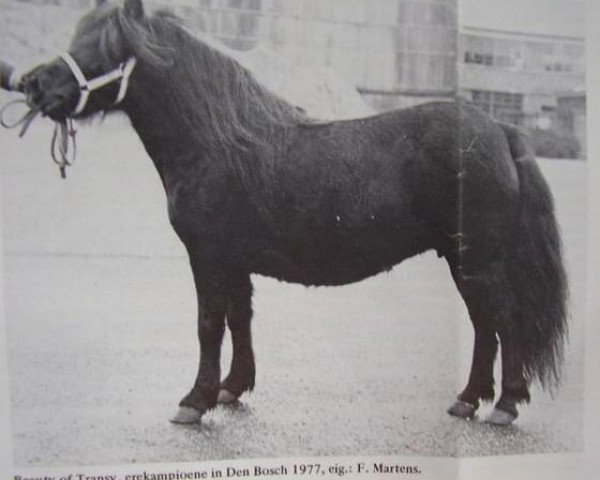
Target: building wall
380,46
402,52
524,74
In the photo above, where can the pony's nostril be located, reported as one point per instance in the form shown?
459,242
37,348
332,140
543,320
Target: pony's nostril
32,85
33,90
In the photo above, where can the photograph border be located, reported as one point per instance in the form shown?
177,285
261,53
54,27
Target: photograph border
585,465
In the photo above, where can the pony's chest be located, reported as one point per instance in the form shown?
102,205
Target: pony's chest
204,210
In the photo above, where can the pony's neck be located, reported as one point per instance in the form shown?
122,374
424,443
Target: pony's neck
170,142
205,107
177,138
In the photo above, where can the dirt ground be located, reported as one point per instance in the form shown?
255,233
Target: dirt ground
101,333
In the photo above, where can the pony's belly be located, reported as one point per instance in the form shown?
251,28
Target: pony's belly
308,273
330,262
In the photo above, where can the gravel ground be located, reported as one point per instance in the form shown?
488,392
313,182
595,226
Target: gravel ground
101,333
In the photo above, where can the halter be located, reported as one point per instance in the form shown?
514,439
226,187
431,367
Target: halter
121,73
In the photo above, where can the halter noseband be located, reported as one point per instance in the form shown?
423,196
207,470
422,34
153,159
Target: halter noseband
122,73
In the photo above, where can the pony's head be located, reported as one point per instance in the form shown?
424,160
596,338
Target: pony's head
190,84
93,75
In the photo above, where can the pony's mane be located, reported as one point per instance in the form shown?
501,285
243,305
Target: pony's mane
241,121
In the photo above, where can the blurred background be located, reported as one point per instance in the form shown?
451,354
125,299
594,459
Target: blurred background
521,61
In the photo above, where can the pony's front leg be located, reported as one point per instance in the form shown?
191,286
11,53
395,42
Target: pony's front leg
212,304
239,314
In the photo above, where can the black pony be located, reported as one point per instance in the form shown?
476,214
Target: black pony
255,186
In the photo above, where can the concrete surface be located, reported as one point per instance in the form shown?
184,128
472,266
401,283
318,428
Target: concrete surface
101,333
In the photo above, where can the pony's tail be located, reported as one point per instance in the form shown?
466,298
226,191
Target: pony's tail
536,271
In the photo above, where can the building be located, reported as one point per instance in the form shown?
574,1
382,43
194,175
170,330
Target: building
525,64
521,61
518,77
395,52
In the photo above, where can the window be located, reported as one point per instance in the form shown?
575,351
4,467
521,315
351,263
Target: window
558,67
554,57
491,51
529,56
479,58
503,106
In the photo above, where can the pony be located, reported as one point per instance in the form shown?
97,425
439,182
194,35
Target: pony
255,186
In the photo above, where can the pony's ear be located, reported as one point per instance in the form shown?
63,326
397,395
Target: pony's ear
134,8
99,3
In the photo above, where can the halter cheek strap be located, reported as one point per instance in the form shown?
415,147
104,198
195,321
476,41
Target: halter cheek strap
121,73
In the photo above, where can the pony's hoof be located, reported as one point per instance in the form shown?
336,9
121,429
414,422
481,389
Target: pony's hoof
226,397
462,409
186,416
500,417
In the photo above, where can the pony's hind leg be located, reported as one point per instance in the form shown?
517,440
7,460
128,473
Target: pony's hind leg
480,385
515,388
491,303
239,314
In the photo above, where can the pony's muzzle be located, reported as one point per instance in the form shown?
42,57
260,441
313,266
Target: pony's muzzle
49,89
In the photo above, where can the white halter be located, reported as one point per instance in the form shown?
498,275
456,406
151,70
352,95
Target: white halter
122,73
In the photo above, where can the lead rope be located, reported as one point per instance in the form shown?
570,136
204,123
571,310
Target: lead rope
63,137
